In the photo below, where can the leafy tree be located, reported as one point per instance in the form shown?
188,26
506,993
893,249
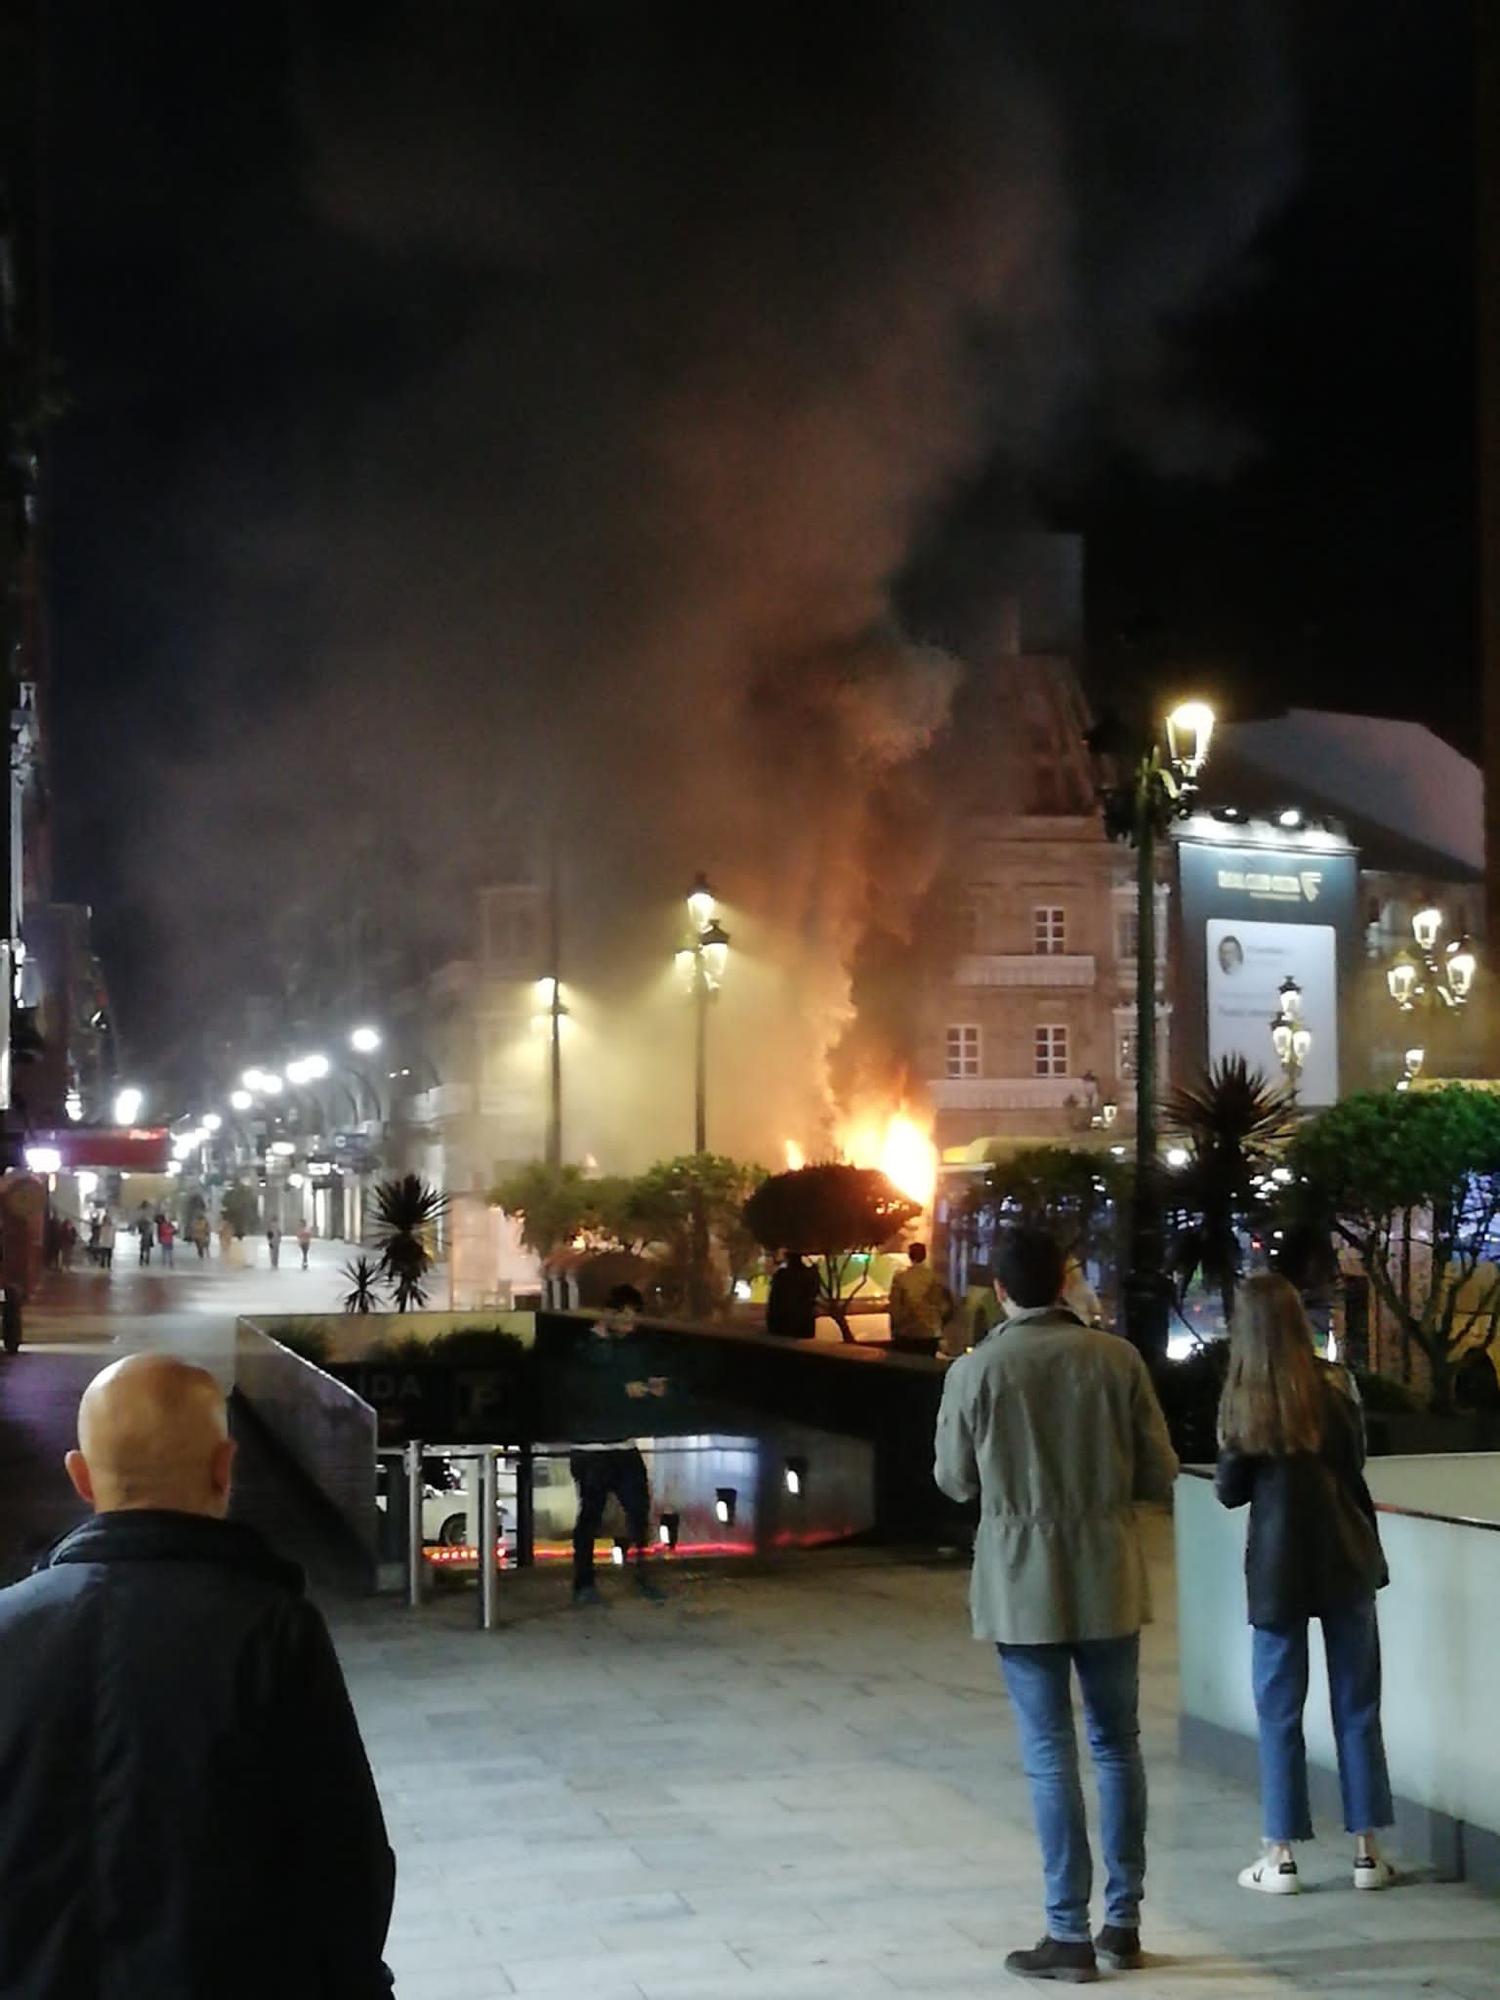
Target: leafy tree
833,1214
553,1204
407,1210
364,1280
1385,1164
673,1201
240,1208
1235,1125
1075,1193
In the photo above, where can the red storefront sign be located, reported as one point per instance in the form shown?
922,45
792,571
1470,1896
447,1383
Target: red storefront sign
131,1149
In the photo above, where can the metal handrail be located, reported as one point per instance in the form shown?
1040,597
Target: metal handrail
488,1456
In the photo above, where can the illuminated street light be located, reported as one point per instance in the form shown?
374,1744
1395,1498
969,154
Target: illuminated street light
1177,1156
365,1041
1425,926
44,1159
704,954
1291,1038
212,1121
73,1106
1139,807
128,1104
241,1100
1423,982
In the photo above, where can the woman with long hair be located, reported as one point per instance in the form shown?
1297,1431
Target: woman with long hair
1291,1446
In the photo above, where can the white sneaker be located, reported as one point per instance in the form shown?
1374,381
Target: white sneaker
1373,1871
1271,1878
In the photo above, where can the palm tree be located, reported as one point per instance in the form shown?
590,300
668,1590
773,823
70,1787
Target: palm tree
1234,1123
364,1280
407,1210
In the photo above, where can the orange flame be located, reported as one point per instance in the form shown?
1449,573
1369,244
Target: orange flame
902,1148
796,1159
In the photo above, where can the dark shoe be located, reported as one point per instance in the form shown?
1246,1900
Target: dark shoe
585,1595
1071,1964
651,1591
1119,1949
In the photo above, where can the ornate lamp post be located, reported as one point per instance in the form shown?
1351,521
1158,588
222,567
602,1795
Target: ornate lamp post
1290,1035
1429,983
1141,811
703,957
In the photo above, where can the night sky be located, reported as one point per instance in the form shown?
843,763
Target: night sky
432,370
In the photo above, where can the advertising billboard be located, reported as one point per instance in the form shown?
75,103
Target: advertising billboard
1249,913
1247,961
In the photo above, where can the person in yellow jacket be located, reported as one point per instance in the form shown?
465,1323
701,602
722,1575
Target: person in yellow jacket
920,1303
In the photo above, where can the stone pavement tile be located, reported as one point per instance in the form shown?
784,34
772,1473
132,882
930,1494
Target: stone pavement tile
714,1967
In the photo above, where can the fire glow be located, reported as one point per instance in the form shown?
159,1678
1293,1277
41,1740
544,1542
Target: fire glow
895,1142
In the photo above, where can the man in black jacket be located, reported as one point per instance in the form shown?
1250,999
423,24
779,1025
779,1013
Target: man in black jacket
188,1810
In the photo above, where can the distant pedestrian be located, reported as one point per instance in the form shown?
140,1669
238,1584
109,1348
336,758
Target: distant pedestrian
979,1312
200,1234
177,1739
606,1461
226,1238
304,1241
920,1303
273,1244
69,1241
166,1236
792,1302
95,1222
107,1242
1055,1429
145,1229
1293,1447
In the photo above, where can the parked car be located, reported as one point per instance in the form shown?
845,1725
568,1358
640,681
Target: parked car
447,1501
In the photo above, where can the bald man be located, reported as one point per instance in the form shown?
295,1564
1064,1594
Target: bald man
186,1808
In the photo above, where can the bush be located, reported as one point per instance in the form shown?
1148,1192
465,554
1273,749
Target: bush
478,1347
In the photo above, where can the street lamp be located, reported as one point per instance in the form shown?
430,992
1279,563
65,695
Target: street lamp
1140,811
1290,1035
128,1104
364,1041
704,957
1422,982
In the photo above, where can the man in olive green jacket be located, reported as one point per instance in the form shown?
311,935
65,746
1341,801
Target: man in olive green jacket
1054,1427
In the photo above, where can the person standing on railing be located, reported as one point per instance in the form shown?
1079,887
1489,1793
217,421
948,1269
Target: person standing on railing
611,1384
1292,1446
188,1806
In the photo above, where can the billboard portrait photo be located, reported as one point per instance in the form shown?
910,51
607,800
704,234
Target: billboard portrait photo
1247,959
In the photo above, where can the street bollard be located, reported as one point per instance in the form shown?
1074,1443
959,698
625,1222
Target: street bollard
489,1535
525,1507
412,1459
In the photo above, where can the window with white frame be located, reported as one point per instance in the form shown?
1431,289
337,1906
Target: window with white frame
1051,1051
1127,933
1049,929
963,1050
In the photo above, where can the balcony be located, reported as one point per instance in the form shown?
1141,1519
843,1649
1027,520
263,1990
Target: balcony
1048,969
1004,1093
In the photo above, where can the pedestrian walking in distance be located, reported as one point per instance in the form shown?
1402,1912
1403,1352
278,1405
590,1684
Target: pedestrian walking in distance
1054,1427
607,1460
921,1304
1292,1447
166,1236
304,1241
792,1301
107,1242
273,1246
188,1807
145,1229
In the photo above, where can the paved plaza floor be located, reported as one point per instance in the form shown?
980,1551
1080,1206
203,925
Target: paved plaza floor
802,1785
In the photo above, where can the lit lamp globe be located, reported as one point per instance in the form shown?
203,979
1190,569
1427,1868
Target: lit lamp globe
1402,981
1425,926
1189,727
365,1041
241,1100
1414,1061
1301,1045
715,951
1291,999
1462,966
128,1104
1281,1039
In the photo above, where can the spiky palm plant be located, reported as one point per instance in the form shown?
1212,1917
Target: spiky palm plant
407,1210
1234,1123
364,1281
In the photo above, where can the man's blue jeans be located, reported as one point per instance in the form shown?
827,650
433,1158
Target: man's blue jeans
1351,1641
1039,1680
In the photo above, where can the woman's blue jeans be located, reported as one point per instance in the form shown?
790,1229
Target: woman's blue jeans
1351,1641
1040,1683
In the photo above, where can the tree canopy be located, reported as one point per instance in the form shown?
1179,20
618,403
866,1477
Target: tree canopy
1386,1164
832,1213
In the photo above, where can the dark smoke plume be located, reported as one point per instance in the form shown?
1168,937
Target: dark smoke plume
698,323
